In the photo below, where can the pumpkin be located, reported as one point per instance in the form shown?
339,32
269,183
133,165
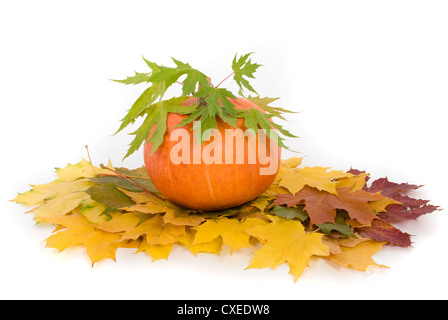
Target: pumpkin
209,186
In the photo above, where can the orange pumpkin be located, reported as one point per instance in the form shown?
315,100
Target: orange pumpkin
209,186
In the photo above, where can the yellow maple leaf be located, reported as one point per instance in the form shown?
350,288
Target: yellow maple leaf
181,218
358,257
156,231
232,232
139,197
286,241
156,251
99,244
149,207
260,202
355,183
93,211
287,167
60,205
121,222
83,169
214,246
317,177
381,204
45,192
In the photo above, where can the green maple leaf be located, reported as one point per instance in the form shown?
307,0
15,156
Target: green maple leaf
136,79
264,104
290,213
203,122
139,176
213,103
171,75
217,100
148,97
255,120
110,196
338,225
156,115
243,67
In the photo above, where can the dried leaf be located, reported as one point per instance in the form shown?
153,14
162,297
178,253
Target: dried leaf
358,257
285,241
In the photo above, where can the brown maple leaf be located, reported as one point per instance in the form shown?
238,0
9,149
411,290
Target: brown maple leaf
410,208
387,188
381,230
321,206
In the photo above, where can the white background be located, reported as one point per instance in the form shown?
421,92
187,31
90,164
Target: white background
370,78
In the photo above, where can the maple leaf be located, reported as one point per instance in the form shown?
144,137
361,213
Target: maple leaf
404,206
263,103
286,241
386,187
83,169
110,196
214,246
316,177
60,205
232,232
338,225
103,212
170,75
213,103
355,182
147,98
254,120
321,206
136,79
121,222
99,244
154,124
381,230
45,192
260,202
93,211
243,67
156,231
139,176
70,179
358,257
182,218
156,251
290,213
335,244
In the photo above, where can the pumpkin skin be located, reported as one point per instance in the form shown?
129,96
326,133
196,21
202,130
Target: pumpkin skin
203,186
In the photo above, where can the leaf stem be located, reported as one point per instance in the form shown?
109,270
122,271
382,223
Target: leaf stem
130,177
135,183
88,154
225,79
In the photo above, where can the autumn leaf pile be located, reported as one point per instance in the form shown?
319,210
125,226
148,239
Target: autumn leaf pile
307,212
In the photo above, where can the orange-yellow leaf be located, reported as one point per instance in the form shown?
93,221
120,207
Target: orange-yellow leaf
156,251
214,246
156,231
317,177
99,244
358,257
286,241
232,231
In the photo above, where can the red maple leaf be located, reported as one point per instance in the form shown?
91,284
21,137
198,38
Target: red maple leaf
321,206
381,230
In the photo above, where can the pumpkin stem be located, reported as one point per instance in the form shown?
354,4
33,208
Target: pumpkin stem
202,102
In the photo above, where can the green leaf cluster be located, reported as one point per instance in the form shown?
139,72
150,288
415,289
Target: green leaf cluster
212,103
